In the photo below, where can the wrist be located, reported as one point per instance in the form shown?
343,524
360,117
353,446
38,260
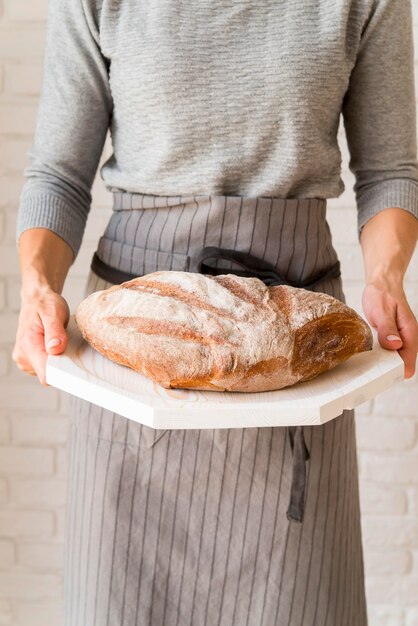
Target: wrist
388,241
36,285
388,279
44,259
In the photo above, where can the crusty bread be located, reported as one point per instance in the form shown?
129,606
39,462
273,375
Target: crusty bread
221,333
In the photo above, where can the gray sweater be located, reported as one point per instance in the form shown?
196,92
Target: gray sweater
235,98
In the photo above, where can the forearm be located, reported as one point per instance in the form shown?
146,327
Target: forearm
388,242
45,259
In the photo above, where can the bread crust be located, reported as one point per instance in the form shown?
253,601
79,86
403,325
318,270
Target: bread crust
220,333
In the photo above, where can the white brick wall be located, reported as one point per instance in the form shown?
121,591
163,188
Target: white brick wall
33,424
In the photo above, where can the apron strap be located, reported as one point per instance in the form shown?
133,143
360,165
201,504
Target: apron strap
108,273
300,456
254,266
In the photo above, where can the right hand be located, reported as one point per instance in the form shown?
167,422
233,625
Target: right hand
43,319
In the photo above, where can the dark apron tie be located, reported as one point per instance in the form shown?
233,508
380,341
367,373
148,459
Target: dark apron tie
252,267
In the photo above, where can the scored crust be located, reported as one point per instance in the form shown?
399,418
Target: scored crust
223,333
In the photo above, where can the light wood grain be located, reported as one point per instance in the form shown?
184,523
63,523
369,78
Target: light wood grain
83,372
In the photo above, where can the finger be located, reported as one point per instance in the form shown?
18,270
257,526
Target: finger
19,357
34,343
409,332
387,332
24,365
26,369
409,358
406,320
55,336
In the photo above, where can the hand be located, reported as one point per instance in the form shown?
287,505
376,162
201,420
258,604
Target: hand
387,310
41,331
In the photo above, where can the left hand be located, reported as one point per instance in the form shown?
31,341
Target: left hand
387,310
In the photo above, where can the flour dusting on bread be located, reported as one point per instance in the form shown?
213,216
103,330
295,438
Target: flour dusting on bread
192,330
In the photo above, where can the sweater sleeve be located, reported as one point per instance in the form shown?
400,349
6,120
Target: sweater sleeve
379,113
74,113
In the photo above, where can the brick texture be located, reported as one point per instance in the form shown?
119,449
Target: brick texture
33,419
45,557
39,430
19,523
19,460
24,79
24,586
27,10
6,612
4,492
39,613
39,494
7,554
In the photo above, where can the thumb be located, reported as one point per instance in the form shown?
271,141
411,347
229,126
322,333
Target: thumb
55,336
388,334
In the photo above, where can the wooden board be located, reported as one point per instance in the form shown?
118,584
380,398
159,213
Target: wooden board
84,372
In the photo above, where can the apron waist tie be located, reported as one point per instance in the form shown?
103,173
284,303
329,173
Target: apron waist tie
252,266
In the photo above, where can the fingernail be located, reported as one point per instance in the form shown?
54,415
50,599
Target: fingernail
53,342
393,338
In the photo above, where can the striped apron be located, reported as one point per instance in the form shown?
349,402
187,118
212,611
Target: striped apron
193,527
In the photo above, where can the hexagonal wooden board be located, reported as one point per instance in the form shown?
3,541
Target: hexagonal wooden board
84,372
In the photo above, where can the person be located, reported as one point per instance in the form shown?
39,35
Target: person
224,121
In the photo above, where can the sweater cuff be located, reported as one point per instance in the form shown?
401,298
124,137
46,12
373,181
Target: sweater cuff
394,193
52,212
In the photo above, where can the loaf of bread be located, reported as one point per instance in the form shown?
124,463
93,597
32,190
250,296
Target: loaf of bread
220,333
